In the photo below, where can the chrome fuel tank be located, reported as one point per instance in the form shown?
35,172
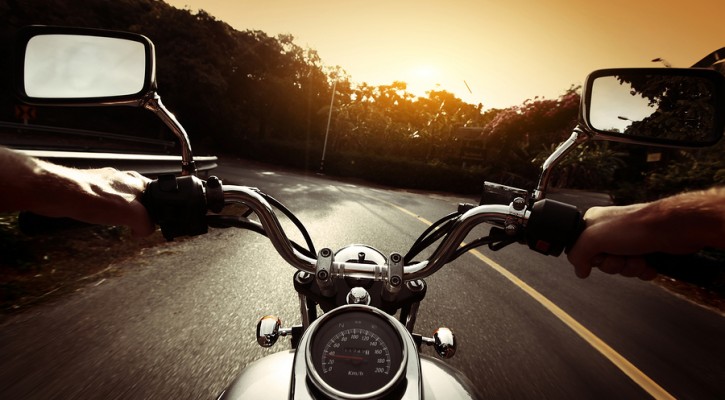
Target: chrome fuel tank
266,378
441,381
271,377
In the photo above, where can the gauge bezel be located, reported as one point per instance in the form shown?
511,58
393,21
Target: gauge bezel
326,388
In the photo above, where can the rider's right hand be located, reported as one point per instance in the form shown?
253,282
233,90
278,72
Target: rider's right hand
616,239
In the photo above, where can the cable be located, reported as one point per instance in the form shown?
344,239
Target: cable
295,220
231,221
434,232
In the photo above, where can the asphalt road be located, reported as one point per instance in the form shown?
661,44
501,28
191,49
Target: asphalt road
179,322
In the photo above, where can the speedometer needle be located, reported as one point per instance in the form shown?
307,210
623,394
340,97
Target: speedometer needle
344,357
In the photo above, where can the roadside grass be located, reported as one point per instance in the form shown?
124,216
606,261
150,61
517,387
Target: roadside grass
35,268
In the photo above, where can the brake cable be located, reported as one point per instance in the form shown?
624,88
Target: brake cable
434,232
232,221
494,242
295,220
226,221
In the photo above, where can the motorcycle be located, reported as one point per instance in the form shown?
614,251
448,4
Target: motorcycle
363,345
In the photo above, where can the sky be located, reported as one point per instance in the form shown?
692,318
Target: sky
494,52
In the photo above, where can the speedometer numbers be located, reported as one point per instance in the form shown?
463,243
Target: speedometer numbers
356,352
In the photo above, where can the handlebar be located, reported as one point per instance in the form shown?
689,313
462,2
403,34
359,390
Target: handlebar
252,199
179,205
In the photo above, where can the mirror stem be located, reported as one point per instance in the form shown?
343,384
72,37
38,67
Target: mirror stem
578,136
152,102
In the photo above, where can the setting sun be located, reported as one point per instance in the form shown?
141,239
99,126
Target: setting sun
422,78
483,52
425,72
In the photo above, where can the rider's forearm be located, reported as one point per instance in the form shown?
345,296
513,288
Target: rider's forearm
616,238
39,186
101,196
21,176
688,221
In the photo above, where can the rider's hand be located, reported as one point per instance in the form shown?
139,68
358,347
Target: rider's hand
98,196
616,239
612,241
102,196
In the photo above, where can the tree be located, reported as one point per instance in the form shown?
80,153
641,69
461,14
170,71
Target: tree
225,86
684,106
517,135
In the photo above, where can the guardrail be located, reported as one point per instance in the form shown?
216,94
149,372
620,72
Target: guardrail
91,149
96,135
150,165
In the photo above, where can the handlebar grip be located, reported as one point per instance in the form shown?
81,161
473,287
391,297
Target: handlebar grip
553,226
178,205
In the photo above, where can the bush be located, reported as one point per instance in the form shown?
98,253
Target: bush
407,174
384,170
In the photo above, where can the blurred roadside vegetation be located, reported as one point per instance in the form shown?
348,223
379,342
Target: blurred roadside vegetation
247,94
39,267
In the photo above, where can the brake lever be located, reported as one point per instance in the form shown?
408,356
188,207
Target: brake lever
499,239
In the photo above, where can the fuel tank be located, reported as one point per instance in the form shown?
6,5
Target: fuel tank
271,377
267,378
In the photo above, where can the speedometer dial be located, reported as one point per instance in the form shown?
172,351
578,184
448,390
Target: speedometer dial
356,352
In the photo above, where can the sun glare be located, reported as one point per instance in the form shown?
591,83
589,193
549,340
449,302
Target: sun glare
423,78
425,72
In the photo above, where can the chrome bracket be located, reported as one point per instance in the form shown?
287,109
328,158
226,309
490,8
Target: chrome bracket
394,278
323,273
152,102
516,216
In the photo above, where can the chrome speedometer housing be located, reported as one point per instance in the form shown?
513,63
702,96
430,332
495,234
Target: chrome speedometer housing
356,352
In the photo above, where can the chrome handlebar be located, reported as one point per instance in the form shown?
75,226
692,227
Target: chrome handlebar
505,216
251,198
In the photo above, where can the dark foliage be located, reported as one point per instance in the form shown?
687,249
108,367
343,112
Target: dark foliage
244,93
223,85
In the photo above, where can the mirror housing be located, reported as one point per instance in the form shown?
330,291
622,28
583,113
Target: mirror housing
672,107
61,66
78,66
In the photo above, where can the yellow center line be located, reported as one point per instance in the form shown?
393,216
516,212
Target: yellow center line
617,359
636,375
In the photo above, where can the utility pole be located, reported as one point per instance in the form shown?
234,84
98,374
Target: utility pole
327,131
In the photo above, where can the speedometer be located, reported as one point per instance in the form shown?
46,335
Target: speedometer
356,353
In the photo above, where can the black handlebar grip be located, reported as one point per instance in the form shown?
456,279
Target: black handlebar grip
177,204
553,226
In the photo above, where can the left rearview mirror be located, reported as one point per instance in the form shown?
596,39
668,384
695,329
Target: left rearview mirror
84,66
92,67
660,106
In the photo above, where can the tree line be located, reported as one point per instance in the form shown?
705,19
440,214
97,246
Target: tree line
245,93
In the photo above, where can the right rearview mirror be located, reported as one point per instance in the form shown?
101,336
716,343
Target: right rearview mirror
660,106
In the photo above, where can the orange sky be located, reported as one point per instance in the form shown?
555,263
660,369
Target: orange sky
505,51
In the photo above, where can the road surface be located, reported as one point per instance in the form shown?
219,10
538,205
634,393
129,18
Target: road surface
179,321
